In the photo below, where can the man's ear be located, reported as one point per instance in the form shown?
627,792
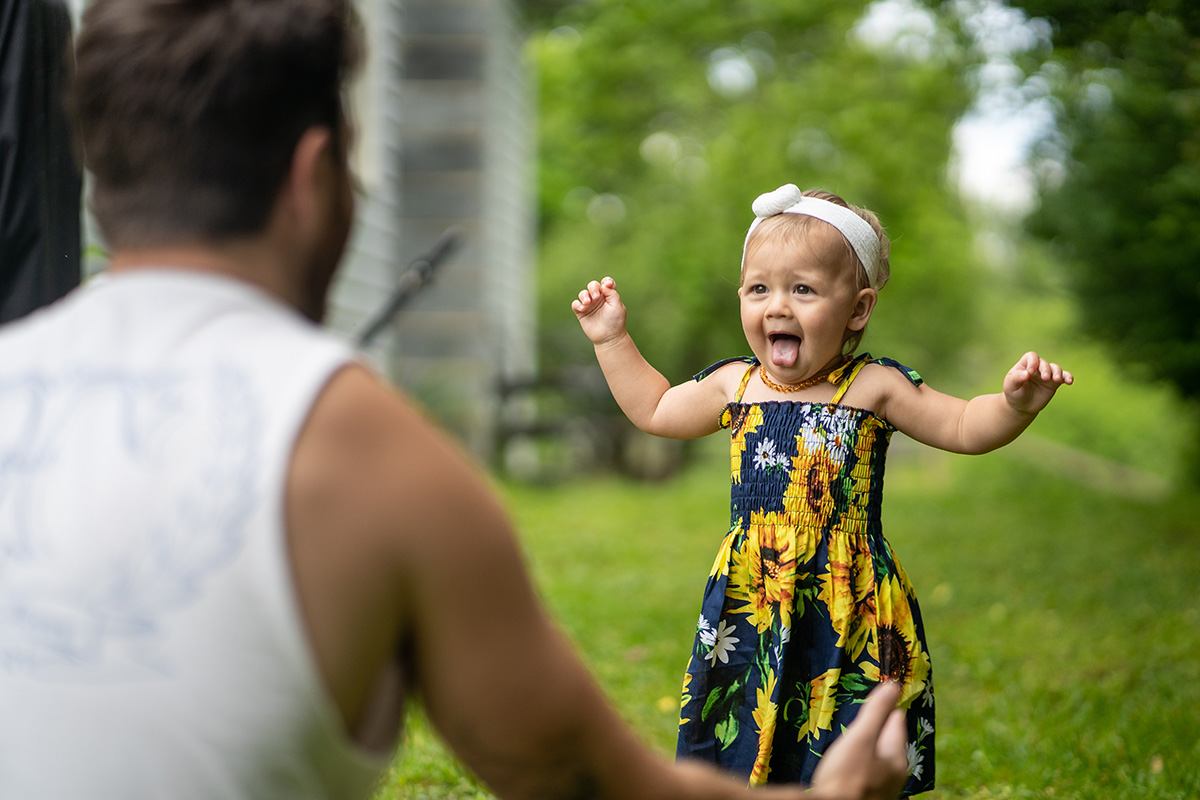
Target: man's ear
302,188
864,305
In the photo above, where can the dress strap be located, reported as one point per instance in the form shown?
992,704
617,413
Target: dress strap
725,418
741,390
844,375
704,373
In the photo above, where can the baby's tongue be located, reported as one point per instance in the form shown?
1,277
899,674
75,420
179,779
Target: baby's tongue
784,351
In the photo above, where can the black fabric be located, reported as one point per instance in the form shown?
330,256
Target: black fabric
40,180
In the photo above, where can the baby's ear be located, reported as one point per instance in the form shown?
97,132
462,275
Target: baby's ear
861,314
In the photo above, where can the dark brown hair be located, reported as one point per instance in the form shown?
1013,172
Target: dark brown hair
188,111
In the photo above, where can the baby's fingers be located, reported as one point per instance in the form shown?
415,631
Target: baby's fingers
1030,364
1060,375
1050,372
586,298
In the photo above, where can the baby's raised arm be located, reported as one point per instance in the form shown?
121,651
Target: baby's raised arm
686,411
982,423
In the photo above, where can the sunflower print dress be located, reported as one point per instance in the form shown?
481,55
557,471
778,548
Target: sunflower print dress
806,608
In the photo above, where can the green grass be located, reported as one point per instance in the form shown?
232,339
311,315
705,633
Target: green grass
1064,619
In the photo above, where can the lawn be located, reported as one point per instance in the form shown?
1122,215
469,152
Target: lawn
1061,598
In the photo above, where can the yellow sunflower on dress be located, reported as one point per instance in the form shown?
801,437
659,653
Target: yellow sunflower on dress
848,592
770,562
764,721
895,647
822,702
686,698
741,426
738,594
809,494
721,563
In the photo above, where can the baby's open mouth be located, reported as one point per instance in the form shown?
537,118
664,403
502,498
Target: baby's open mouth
785,349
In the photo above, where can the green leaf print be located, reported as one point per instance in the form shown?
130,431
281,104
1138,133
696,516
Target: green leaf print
853,689
855,684
715,698
727,731
762,655
881,558
800,716
722,699
846,491
805,590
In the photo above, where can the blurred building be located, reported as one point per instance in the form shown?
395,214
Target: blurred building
446,121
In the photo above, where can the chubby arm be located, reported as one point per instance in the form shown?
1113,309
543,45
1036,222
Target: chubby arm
685,411
980,424
399,544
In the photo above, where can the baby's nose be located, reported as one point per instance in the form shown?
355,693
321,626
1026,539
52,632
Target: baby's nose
777,305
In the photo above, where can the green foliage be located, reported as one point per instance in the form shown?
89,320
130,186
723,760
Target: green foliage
647,168
1140,425
1126,214
1079,22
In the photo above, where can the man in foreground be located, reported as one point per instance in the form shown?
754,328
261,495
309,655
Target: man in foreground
227,550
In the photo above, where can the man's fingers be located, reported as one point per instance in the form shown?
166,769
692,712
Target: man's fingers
870,760
877,709
893,740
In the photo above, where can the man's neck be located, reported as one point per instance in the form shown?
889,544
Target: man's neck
247,261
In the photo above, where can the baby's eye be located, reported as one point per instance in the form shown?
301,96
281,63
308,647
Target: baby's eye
758,288
802,289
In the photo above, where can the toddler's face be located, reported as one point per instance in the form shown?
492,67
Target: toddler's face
796,310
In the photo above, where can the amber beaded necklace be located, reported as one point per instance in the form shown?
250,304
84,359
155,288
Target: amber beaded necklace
808,383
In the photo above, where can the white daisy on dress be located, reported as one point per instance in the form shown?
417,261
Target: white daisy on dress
915,760
838,429
811,438
724,643
785,636
764,454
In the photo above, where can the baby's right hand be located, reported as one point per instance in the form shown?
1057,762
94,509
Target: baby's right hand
600,311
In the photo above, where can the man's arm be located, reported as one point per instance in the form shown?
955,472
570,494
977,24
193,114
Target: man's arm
396,537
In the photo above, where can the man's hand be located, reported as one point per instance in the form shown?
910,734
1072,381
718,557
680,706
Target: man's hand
869,761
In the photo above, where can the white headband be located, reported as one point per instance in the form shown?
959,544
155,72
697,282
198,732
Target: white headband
787,199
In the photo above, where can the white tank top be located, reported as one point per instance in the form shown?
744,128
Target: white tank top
151,644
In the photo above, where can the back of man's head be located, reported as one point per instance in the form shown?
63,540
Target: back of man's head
188,110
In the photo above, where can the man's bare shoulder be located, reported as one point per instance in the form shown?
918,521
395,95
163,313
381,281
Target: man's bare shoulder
370,463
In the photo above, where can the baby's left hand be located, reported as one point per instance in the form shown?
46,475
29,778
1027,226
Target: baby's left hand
1032,381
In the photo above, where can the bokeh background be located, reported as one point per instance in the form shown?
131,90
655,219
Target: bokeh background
1035,165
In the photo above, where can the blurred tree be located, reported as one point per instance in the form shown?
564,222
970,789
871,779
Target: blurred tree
662,121
1125,209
